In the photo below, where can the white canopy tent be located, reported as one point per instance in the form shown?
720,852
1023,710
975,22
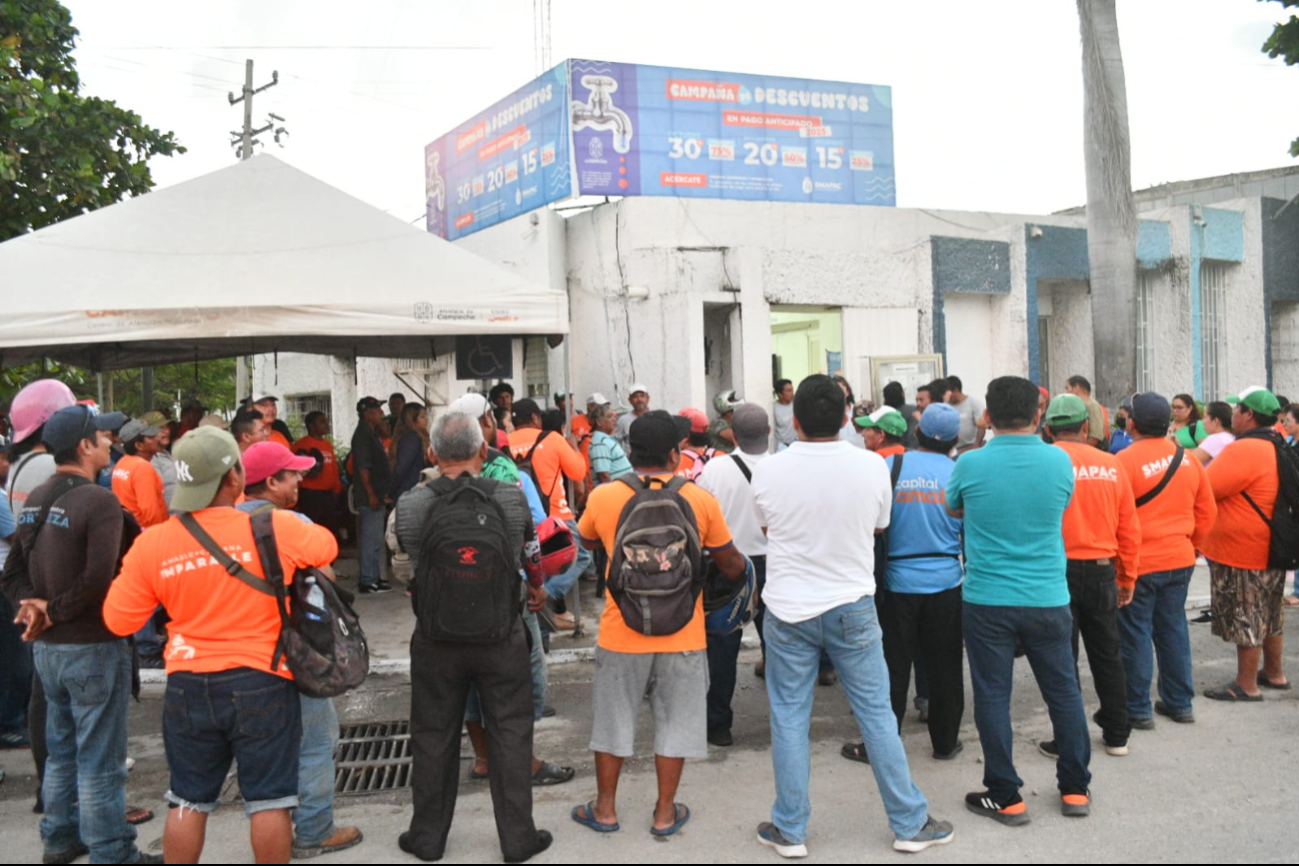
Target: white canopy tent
258,257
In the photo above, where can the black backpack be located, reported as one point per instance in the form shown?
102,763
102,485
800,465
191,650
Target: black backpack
1283,548
467,589
525,465
655,572
321,639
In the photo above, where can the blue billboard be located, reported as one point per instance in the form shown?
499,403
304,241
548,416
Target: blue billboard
653,130
505,161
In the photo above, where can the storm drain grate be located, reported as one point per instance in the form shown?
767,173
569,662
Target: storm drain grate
372,757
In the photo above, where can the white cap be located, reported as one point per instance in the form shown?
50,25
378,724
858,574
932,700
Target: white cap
473,405
597,399
637,386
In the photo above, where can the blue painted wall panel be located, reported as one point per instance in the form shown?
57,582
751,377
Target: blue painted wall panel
965,265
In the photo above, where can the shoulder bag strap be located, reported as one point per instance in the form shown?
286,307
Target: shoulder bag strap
269,552
897,469
69,483
1163,482
744,467
233,568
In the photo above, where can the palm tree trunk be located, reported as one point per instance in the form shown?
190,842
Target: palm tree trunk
1111,211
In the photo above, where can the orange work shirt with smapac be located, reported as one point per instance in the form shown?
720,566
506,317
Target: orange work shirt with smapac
1175,522
1240,537
554,457
217,621
327,479
138,486
600,523
1101,520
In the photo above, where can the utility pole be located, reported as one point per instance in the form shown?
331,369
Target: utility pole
244,141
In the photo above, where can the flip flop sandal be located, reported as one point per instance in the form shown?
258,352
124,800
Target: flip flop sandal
589,819
136,815
1231,692
855,752
551,774
682,814
1268,684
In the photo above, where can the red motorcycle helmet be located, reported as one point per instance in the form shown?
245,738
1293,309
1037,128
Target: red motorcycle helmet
558,550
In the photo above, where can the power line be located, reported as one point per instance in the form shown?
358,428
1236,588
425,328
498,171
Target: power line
299,47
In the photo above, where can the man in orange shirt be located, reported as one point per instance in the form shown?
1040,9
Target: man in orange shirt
1102,539
553,460
627,661
318,492
224,700
1176,514
883,430
276,430
1246,594
136,483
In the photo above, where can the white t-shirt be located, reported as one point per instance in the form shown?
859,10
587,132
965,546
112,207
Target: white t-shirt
1215,442
850,434
783,423
821,503
971,410
722,478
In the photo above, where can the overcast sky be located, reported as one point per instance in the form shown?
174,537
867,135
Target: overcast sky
987,97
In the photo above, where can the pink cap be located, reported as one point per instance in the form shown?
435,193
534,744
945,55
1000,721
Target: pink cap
33,405
698,420
264,459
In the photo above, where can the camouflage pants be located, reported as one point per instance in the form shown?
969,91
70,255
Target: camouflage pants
1246,603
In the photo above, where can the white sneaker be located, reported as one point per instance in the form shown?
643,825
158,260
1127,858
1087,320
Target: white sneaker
130,764
1116,751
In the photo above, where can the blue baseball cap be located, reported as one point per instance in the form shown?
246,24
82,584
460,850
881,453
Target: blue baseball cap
69,426
941,422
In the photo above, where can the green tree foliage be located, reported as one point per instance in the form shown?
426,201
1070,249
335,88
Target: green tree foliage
61,153
211,381
1284,43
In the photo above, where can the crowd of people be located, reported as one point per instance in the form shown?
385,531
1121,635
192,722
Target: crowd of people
938,560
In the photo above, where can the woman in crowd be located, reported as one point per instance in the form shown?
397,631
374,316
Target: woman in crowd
1185,413
409,450
1217,430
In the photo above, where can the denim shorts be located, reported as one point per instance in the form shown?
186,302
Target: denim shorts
243,715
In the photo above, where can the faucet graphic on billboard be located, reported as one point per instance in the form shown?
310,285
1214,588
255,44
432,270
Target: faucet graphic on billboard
433,185
599,112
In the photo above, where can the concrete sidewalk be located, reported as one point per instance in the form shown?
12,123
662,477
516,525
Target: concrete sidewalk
1216,791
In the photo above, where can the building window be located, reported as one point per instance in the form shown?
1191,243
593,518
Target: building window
1145,330
297,406
1213,330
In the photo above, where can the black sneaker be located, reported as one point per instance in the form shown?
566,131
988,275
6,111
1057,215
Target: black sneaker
720,737
1048,748
1186,718
544,839
1141,723
376,588
1012,812
769,834
67,855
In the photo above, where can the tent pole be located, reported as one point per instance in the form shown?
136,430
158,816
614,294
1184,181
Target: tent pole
99,383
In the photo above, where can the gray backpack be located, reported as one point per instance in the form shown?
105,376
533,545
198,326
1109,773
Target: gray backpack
655,573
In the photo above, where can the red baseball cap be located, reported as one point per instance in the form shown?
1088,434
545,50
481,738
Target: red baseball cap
698,420
264,459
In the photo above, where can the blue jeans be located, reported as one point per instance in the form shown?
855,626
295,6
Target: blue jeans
851,635
87,687
313,820
1157,614
370,542
147,641
15,671
991,632
559,585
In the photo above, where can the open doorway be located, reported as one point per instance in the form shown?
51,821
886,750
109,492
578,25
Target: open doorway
806,340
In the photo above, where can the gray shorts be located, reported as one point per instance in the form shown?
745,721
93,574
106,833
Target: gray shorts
679,683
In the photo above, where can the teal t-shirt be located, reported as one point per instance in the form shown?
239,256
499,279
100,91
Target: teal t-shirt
1014,491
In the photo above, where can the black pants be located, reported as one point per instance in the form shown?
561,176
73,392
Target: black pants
321,506
440,675
912,624
723,655
1094,602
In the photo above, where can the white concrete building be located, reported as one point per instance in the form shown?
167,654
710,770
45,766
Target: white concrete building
696,296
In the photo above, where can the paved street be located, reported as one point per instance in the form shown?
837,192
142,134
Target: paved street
1217,791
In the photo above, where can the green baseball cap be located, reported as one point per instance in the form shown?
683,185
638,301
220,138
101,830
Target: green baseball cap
888,419
1190,437
203,456
1261,400
1066,409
